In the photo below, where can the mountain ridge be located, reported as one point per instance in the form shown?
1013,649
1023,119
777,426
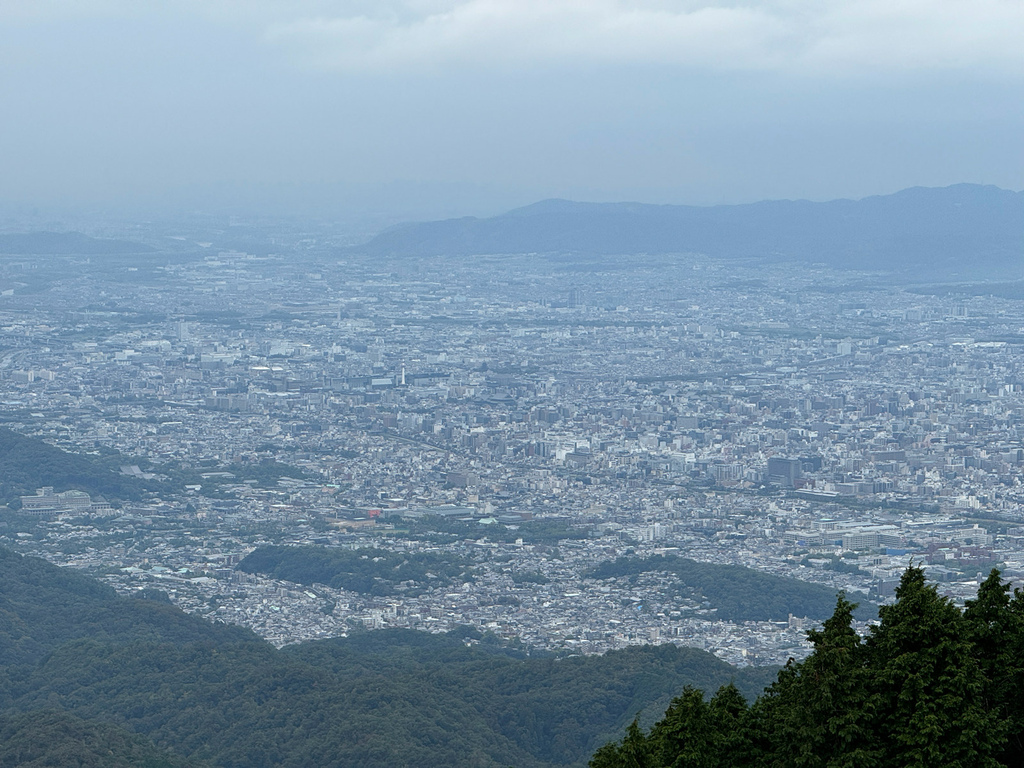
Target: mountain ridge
913,227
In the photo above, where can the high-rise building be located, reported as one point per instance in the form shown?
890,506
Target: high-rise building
783,472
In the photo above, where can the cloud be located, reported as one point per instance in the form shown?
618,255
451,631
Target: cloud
811,37
845,37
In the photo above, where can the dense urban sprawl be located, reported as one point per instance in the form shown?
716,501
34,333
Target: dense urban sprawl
531,417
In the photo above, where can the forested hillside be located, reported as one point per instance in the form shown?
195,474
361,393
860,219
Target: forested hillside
931,686
52,739
734,592
370,571
43,607
222,696
28,463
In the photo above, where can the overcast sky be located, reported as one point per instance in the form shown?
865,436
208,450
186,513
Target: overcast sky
426,108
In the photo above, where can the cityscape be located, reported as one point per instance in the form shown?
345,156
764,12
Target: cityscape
492,384
529,420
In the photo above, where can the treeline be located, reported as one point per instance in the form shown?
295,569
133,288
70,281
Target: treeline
737,593
28,463
369,571
932,686
221,696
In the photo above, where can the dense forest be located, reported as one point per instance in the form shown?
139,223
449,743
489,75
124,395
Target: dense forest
219,695
931,686
736,593
52,739
369,571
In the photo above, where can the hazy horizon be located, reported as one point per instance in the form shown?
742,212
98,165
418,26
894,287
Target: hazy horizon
418,110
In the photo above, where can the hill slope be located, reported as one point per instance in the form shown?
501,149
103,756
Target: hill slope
919,226
219,694
735,592
50,739
28,463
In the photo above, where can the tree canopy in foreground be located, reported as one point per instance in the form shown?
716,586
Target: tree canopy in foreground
931,686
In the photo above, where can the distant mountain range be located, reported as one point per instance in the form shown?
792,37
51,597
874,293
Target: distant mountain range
953,230
65,244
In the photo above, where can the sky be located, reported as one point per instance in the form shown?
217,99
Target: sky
432,108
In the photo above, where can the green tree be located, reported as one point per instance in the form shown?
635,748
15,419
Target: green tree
730,712
687,737
635,751
995,627
926,695
694,733
931,687
814,714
